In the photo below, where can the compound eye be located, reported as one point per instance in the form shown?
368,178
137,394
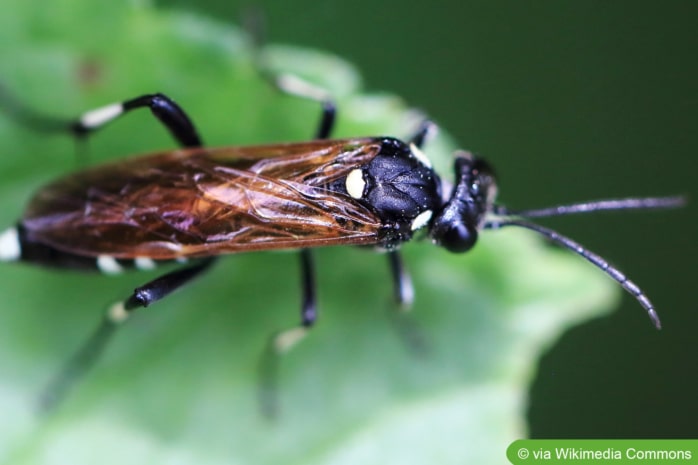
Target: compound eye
456,237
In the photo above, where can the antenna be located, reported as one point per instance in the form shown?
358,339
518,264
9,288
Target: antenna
644,203
504,217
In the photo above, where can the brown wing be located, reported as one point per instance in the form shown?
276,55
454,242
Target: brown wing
200,202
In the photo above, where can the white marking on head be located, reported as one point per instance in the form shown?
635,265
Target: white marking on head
100,116
421,220
108,265
181,259
117,313
419,155
355,183
144,263
10,248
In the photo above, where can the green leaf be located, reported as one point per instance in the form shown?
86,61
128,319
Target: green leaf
179,382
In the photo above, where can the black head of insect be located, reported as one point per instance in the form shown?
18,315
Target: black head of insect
455,226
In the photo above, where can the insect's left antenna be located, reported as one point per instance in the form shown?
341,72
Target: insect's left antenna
593,258
501,216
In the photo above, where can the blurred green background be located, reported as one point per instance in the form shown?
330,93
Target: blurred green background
570,101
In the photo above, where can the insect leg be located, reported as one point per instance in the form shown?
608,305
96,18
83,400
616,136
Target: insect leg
283,341
309,302
163,108
288,83
426,131
402,283
293,85
408,330
403,291
87,355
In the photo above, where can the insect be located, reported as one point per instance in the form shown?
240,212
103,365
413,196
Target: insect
194,204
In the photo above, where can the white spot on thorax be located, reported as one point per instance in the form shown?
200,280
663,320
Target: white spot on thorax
421,220
419,155
355,183
10,248
100,116
108,265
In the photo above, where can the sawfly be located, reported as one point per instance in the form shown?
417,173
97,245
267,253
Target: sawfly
193,204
